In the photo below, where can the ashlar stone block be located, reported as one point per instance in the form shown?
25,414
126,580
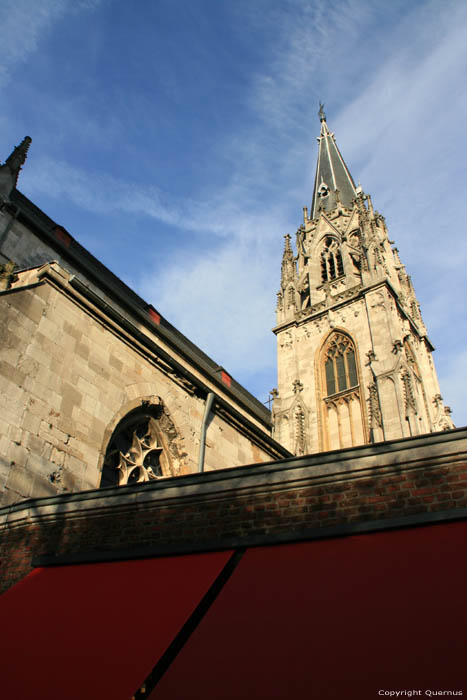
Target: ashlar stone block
20,481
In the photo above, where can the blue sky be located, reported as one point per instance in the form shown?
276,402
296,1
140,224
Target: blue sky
176,140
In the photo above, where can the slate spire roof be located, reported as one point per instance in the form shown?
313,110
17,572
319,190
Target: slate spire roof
331,174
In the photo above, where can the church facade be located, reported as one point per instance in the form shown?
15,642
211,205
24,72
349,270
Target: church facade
99,389
354,359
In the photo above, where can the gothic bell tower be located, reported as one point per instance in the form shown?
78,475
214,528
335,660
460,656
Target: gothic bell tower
354,358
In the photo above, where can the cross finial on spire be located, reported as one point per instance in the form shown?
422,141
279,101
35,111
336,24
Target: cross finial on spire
321,114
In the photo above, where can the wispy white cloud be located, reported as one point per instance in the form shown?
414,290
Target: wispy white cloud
388,90
226,285
227,214
95,192
103,193
402,116
25,23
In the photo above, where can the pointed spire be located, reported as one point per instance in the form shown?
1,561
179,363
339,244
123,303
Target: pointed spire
17,158
10,170
331,174
288,265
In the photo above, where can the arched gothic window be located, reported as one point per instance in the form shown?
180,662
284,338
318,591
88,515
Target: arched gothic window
136,452
339,365
343,422
331,260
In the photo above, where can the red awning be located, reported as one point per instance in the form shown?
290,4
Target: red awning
95,631
331,619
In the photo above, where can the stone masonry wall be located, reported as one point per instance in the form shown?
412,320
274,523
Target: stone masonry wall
67,375
424,475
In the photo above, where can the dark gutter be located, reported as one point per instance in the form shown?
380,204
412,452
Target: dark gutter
59,239
156,350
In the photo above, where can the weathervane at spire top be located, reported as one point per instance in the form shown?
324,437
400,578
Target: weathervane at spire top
321,113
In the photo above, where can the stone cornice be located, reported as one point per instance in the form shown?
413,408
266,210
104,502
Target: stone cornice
351,295
369,461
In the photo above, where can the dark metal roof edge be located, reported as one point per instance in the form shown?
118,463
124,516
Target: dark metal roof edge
270,539
124,295
150,344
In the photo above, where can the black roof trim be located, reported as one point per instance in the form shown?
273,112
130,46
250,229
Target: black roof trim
57,237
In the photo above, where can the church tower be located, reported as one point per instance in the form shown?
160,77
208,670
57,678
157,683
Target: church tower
354,358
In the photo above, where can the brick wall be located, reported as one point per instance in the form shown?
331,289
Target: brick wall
423,475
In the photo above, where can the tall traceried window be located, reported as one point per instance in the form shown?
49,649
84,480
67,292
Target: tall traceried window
331,260
340,368
341,401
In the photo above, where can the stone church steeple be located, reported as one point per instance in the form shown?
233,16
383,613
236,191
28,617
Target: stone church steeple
333,181
354,358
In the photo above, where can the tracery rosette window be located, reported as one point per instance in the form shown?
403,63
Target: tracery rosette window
343,420
135,452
